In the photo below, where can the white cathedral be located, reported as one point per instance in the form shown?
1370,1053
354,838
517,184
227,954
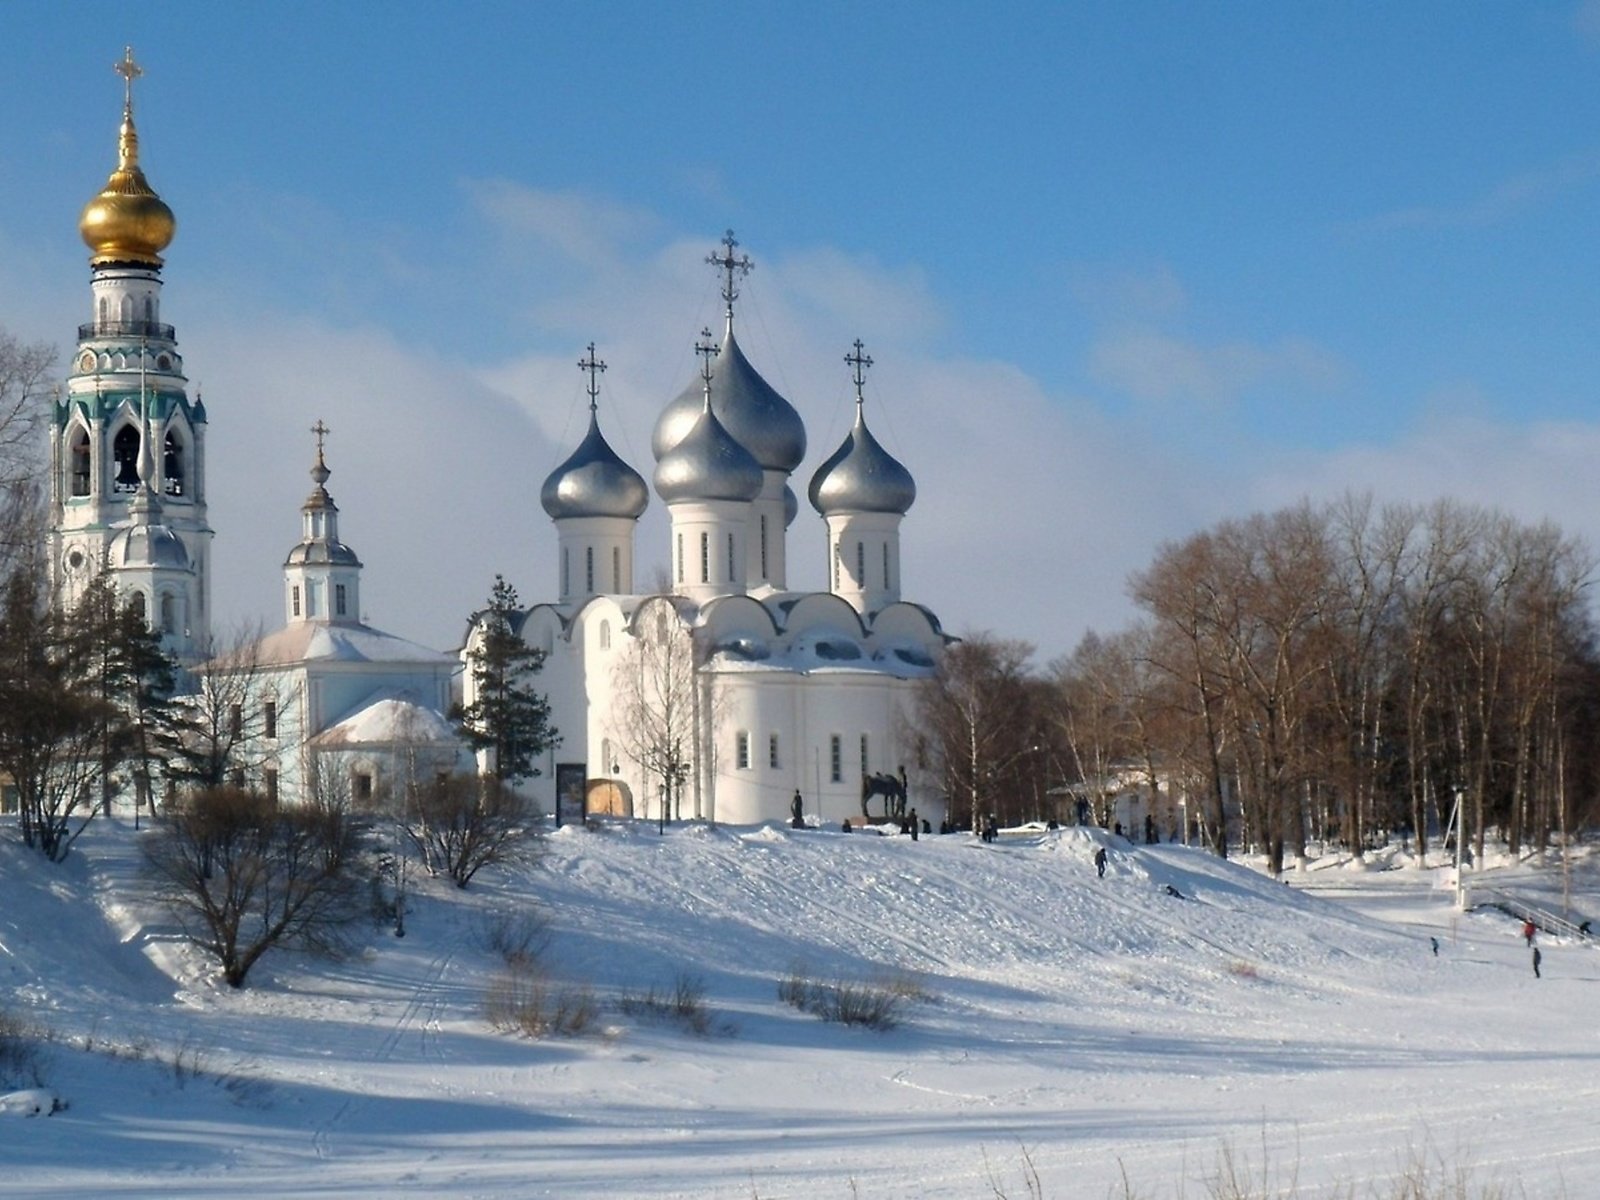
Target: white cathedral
729,698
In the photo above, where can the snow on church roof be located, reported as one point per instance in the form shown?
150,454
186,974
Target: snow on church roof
316,642
386,721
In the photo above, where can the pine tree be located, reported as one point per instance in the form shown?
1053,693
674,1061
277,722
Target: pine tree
506,717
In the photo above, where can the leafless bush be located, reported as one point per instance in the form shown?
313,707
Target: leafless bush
463,823
517,935
522,999
243,875
684,1004
875,1004
21,1051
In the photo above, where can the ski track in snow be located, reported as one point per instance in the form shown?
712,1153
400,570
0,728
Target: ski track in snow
1086,1024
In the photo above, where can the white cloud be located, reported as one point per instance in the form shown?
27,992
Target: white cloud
1120,295
1500,202
1152,366
1534,472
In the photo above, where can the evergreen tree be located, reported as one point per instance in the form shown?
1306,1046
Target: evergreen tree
506,717
120,662
50,724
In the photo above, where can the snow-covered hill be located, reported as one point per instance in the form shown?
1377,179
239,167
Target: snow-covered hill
1081,1028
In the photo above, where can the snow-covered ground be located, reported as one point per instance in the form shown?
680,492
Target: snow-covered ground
1099,1030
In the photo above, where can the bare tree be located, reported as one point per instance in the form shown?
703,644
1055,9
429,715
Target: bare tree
656,714
463,823
245,876
224,727
23,409
979,720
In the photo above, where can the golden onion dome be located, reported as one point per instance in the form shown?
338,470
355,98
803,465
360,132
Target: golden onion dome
127,221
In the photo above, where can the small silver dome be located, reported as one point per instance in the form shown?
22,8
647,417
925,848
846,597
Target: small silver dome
791,506
594,482
761,420
322,552
149,545
861,476
708,464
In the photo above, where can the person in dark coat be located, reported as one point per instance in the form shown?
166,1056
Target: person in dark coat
1536,959
1100,861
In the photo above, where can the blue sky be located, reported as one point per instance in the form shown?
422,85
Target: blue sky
1125,268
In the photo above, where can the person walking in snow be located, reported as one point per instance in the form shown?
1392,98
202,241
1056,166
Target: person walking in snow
1528,930
1100,861
1536,957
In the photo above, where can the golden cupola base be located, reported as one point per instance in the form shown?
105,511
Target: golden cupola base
127,222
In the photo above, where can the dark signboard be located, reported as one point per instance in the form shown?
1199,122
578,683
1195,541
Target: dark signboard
571,779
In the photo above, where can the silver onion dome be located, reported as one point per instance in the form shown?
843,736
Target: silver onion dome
708,464
861,476
321,553
594,482
750,408
791,506
148,545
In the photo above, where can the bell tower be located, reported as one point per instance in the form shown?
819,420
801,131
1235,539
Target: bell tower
127,444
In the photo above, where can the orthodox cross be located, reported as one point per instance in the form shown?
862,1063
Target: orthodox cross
129,70
859,363
707,350
593,366
729,265
321,431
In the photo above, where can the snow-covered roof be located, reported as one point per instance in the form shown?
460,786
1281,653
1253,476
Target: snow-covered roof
314,641
385,721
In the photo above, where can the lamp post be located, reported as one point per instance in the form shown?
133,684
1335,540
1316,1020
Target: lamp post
1455,820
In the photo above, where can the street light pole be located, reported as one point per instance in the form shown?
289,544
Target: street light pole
1455,819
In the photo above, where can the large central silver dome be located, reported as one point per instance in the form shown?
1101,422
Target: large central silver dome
594,482
761,420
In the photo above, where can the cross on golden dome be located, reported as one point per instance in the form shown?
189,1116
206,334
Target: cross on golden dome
129,70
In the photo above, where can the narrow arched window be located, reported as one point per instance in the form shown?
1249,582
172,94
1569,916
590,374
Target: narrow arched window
680,558
705,558
588,570
861,564
78,461
733,572
169,615
605,638
138,605
766,572
125,458
886,583
566,574
172,465
616,568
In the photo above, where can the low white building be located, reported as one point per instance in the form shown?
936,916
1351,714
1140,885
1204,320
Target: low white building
329,697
